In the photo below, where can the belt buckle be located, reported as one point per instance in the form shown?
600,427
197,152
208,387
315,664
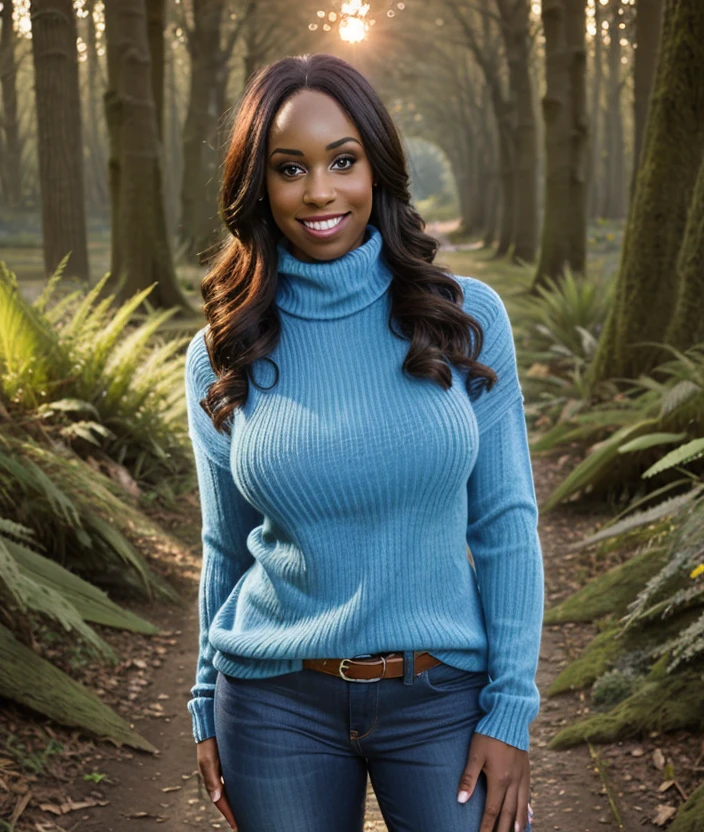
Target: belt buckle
350,679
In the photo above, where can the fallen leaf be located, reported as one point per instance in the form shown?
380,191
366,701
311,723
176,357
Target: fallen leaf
663,813
637,752
658,759
665,785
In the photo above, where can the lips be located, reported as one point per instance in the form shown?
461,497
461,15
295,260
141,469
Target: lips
323,228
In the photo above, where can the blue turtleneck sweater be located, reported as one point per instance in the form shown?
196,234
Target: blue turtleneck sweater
337,515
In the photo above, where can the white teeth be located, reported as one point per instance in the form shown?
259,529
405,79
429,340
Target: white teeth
325,224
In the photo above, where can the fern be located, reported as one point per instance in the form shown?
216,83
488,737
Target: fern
642,518
679,456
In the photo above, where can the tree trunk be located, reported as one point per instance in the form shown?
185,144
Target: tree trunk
523,125
564,236
59,143
647,38
673,147
96,179
200,125
12,150
687,324
596,167
615,184
140,245
155,39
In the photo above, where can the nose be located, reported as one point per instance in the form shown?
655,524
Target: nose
319,189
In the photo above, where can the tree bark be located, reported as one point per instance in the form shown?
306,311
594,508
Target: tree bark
515,31
96,179
614,206
673,147
596,167
687,325
59,142
140,245
155,39
12,150
199,127
647,41
564,235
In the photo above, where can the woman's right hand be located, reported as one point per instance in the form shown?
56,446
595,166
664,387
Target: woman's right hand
209,767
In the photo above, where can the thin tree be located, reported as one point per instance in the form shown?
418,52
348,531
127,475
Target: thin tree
564,235
141,252
59,140
647,43
11,162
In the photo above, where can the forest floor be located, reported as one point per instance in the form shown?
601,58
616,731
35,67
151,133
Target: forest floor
55,778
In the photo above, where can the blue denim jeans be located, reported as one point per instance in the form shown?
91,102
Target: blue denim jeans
295,750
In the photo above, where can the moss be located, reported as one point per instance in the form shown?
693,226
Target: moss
614,686
690,817
663,703
595,660
610,592
628,651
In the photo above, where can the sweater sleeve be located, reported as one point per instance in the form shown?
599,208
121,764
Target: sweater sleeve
502,535
227,519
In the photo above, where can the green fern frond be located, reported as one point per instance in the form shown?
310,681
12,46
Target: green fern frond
679,456
641,518
651,440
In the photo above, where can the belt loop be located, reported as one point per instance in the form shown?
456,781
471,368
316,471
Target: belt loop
409,667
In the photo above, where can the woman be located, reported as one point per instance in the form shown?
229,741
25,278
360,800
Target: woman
345,632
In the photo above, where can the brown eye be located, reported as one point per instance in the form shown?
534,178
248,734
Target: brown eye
283,169
350,159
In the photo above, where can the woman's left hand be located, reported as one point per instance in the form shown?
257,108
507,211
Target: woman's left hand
507,770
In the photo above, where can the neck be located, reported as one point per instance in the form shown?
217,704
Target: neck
333,288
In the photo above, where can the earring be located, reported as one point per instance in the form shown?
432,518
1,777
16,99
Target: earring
260,199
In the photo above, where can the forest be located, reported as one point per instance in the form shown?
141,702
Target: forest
556,152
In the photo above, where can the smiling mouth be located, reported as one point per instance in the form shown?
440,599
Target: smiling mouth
324,225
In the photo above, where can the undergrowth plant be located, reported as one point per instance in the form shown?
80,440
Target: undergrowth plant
625,436
84,371
91,412
652,616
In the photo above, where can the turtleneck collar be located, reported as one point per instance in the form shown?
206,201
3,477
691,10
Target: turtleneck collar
332,288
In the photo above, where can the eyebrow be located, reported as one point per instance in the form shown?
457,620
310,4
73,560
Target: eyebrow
330,146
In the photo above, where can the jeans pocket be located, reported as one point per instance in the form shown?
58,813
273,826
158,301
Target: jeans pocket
445,677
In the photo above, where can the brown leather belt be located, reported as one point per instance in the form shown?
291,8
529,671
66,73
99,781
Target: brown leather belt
380,666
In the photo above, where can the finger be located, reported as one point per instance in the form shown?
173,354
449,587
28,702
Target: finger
509,810
225,810
522,813
210,772
494,799
469,777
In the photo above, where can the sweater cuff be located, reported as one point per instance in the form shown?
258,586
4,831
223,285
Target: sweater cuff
508,720
202,712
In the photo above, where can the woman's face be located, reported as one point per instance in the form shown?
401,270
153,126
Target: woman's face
318,177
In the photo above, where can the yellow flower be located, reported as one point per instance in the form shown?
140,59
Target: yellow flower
699,570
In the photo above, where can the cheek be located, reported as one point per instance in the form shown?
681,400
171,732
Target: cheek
283,199
360,190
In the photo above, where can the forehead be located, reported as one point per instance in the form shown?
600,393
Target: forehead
310,117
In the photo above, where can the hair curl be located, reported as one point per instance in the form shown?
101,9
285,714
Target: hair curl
239,290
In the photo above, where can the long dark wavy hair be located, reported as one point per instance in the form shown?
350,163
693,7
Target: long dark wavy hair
240,288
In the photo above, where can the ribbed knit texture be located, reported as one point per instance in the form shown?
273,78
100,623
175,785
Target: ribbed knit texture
337,516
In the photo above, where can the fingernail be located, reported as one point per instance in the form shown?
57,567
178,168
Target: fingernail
215,795
463,796
516,827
